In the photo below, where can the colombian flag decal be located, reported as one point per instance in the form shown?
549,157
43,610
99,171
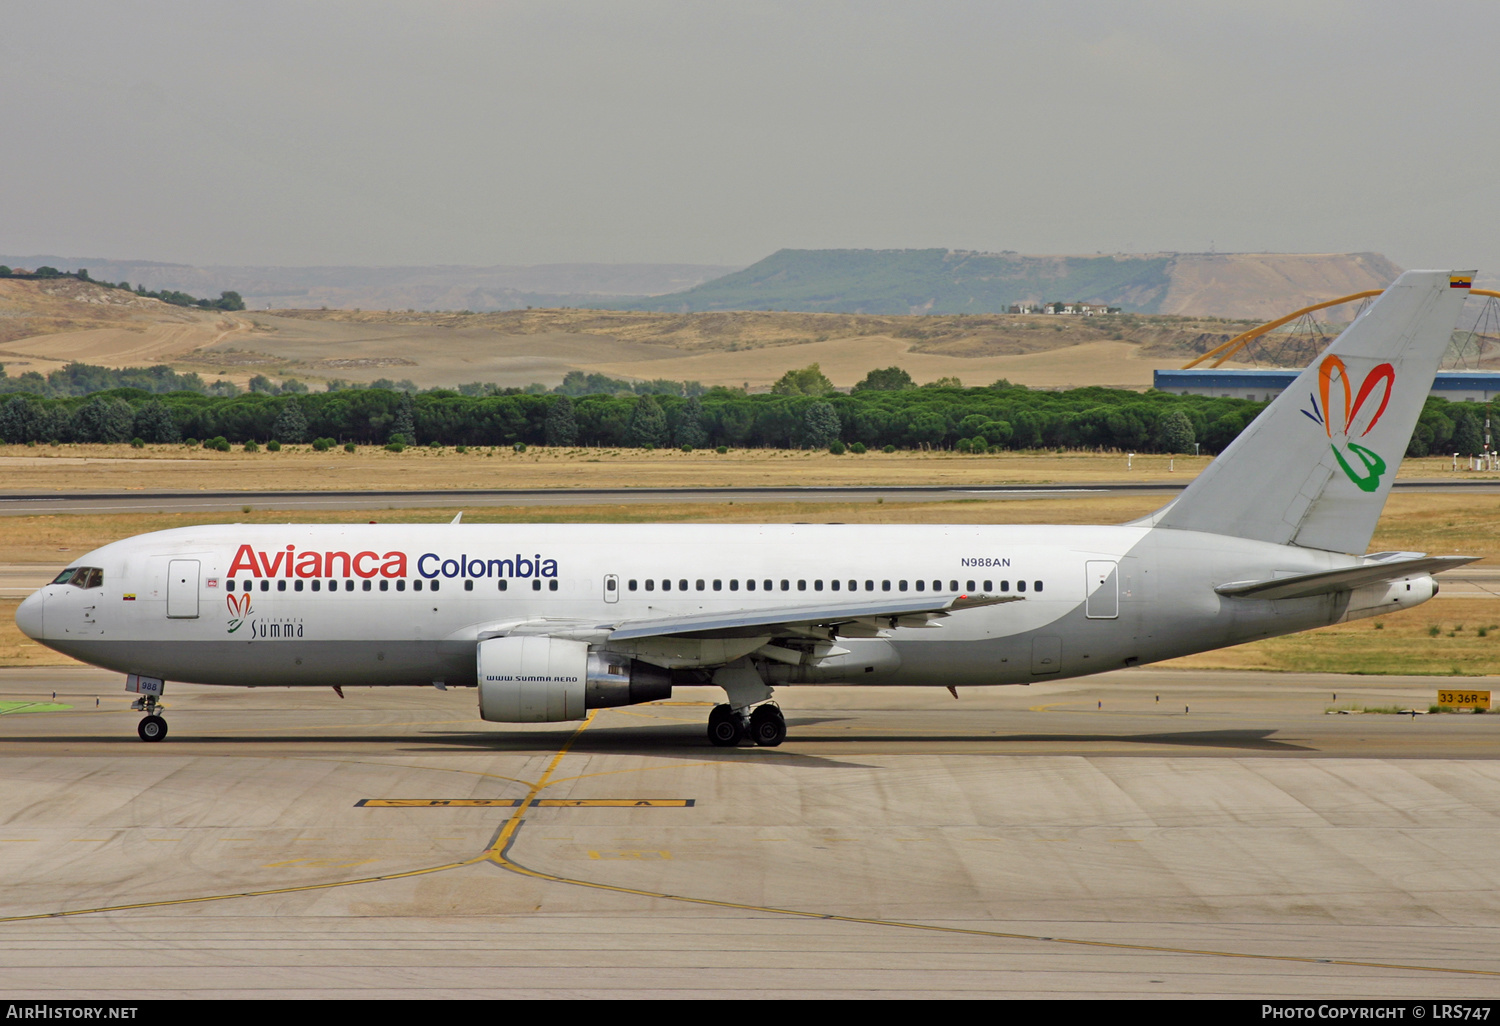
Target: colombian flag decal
1461,281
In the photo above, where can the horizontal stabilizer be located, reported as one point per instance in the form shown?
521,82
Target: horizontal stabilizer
750,622
1325,582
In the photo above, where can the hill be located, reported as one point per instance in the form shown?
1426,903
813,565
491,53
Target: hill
939,281
920,281
441,287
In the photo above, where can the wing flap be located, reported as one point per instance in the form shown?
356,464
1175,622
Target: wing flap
1325,582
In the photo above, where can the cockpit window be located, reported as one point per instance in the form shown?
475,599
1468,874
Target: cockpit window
81,577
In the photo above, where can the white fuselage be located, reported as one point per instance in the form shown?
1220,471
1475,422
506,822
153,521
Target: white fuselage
254,605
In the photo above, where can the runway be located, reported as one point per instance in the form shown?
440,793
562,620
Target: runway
1144,832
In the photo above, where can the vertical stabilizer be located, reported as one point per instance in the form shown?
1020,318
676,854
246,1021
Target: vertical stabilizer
1314,469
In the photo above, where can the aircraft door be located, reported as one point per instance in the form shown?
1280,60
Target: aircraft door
611,588
1103,588
182,589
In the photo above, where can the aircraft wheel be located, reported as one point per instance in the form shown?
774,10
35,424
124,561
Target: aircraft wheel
768,726
152,728
724,727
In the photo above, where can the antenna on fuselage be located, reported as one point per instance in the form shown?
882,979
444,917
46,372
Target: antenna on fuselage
459,517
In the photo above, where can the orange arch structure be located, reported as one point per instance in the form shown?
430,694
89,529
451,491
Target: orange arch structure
1234,345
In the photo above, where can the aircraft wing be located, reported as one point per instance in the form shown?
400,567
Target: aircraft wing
1345,579
857,618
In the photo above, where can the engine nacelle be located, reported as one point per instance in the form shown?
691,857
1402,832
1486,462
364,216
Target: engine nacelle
1387,597
543,680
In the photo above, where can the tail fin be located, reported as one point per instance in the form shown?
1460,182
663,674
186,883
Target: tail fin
1314,469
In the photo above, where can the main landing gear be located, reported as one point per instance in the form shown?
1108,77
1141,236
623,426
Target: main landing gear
765,726
152,726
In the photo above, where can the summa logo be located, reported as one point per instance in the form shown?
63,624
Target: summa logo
1343,423
239,608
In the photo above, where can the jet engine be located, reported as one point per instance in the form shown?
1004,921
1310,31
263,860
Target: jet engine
542,680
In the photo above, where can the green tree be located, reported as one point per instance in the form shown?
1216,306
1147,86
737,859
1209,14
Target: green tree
1467,438
291,422
405,423
561,427
690,426
154,423
104,419
648,423
891,379
820,426
810,380
1174,432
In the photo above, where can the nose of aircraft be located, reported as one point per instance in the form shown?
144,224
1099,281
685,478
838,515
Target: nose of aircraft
29,615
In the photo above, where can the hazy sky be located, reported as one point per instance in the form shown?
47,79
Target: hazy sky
273,132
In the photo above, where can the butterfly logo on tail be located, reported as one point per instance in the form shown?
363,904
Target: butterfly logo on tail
1346,414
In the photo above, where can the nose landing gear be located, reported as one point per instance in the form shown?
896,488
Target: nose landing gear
152,726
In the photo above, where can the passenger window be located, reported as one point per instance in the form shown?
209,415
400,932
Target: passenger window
885,585
718,585
700,585
316,585
650,584
265,585
971,585
416,585
1020,585
921,586
229,584
937,585
433,586
365,585
386,585
734,584
682,586
750,585
631,586
666,585
297,584
952,585
834,585
786,585
468,585
801,586
552,584
349,585
609,584
401,584
818,585
281,585
504,584
902,585
869,586
1036,585
536,585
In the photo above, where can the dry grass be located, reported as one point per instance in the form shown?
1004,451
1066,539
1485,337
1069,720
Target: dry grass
1404,643
67,468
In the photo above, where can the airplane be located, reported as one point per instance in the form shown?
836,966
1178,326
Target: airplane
550,621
